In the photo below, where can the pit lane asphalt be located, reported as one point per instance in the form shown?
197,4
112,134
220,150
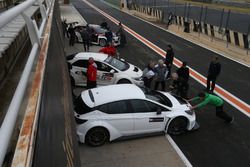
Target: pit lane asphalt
215,143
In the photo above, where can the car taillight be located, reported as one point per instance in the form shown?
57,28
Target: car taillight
80,121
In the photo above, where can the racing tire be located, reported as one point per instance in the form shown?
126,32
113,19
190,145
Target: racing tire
97,136
102,42
124,81
177,126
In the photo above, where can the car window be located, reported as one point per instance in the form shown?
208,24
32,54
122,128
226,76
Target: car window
143,106
118,107
158,97
103,67
120,65
81,63
80,107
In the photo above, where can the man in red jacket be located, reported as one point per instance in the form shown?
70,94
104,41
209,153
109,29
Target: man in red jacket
109,49
91,74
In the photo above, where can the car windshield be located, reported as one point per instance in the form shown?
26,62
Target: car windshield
157,96
120,65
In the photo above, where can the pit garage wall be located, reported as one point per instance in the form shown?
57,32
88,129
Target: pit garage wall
56,143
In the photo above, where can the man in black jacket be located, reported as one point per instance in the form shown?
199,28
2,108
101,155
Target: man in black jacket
213,72
182,81
169,59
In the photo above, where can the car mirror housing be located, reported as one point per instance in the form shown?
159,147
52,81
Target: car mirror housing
158,111
112,71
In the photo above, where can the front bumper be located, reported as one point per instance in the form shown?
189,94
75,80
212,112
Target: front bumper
196,126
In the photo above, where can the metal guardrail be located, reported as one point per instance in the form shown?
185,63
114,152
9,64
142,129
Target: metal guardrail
35,35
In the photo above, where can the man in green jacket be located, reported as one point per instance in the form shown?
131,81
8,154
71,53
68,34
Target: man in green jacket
205,98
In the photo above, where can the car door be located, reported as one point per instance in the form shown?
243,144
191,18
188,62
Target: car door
146,117
79,71
118,116
105,74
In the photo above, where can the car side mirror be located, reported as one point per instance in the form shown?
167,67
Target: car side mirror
158,111
112,71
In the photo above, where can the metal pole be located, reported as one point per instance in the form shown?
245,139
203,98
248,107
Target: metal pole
228,17
14,12
221,19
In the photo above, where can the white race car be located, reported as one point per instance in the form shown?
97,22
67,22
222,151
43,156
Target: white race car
109,70
115,111
97,35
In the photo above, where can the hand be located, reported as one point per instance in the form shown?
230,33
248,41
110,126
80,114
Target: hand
191,108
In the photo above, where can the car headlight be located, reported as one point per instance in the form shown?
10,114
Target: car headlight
189,112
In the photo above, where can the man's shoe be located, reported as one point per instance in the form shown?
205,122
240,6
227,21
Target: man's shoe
230,122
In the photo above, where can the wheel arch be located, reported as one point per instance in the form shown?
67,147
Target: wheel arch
112,132
171,119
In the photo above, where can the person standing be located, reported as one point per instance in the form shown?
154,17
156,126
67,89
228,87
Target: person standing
64,27
161,72
109,49
120,32
213,72
72,35
109,35
183,77
104,24
148,74
91,73
170,19
169,59
206,98
85,39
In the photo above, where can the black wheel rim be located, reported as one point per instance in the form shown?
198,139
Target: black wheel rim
102,42
177,126
97,137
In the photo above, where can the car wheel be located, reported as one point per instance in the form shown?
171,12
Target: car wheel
97,136
123,81
177,126
102,42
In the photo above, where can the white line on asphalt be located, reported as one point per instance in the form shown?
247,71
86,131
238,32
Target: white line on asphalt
178,150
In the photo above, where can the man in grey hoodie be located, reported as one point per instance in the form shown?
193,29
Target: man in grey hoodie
161,73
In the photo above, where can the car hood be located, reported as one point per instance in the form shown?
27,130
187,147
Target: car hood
133,71
177,102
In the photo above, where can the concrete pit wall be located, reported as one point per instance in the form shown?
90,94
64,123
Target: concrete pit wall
56,144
